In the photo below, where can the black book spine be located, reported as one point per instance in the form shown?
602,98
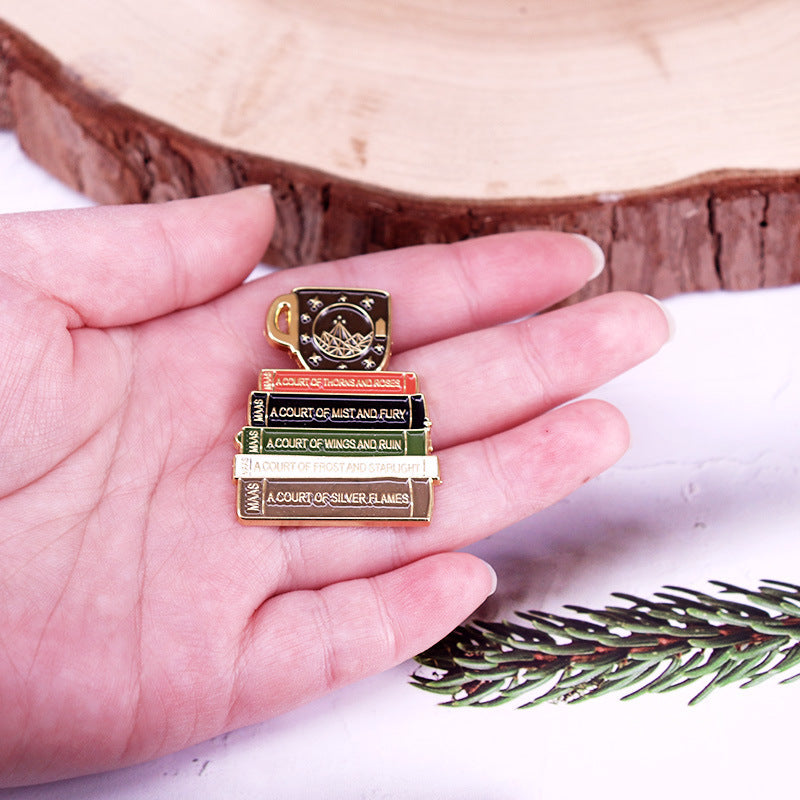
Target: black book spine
337,412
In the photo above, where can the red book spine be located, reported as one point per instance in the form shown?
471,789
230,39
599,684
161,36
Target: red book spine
337,382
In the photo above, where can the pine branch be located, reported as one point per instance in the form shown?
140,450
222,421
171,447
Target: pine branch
682,637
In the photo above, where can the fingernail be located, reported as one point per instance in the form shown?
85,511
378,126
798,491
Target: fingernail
667,315
493,576
598,256
264,187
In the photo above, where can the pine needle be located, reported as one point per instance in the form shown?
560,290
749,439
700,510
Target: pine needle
650,646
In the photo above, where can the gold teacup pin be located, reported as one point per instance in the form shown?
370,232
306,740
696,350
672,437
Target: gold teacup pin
339,442
332,328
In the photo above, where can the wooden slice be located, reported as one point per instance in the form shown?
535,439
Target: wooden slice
666,131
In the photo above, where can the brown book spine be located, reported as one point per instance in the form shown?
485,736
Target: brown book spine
401,500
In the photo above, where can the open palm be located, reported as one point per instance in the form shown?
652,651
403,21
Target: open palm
136,614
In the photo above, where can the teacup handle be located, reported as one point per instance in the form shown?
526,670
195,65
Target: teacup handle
288,338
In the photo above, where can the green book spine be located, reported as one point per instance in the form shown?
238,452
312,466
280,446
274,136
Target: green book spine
310,442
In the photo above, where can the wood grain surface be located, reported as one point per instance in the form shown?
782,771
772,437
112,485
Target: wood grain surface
666,131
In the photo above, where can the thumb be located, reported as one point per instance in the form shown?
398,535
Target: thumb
305,643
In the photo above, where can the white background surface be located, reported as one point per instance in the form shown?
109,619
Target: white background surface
708,490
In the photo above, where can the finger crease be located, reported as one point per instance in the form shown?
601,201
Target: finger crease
470,291
388,628
325,624
503,482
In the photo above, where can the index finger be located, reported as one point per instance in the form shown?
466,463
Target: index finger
440,291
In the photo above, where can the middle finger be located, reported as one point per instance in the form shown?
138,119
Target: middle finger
491,380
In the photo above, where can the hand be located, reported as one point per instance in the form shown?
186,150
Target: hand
137,616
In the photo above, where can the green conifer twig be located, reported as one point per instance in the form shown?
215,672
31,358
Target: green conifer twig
682,637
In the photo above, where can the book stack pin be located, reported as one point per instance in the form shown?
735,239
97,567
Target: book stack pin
339,441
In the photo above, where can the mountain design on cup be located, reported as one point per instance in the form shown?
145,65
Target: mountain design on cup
338,342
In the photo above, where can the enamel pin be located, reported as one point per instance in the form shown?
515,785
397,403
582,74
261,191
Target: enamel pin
340,441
